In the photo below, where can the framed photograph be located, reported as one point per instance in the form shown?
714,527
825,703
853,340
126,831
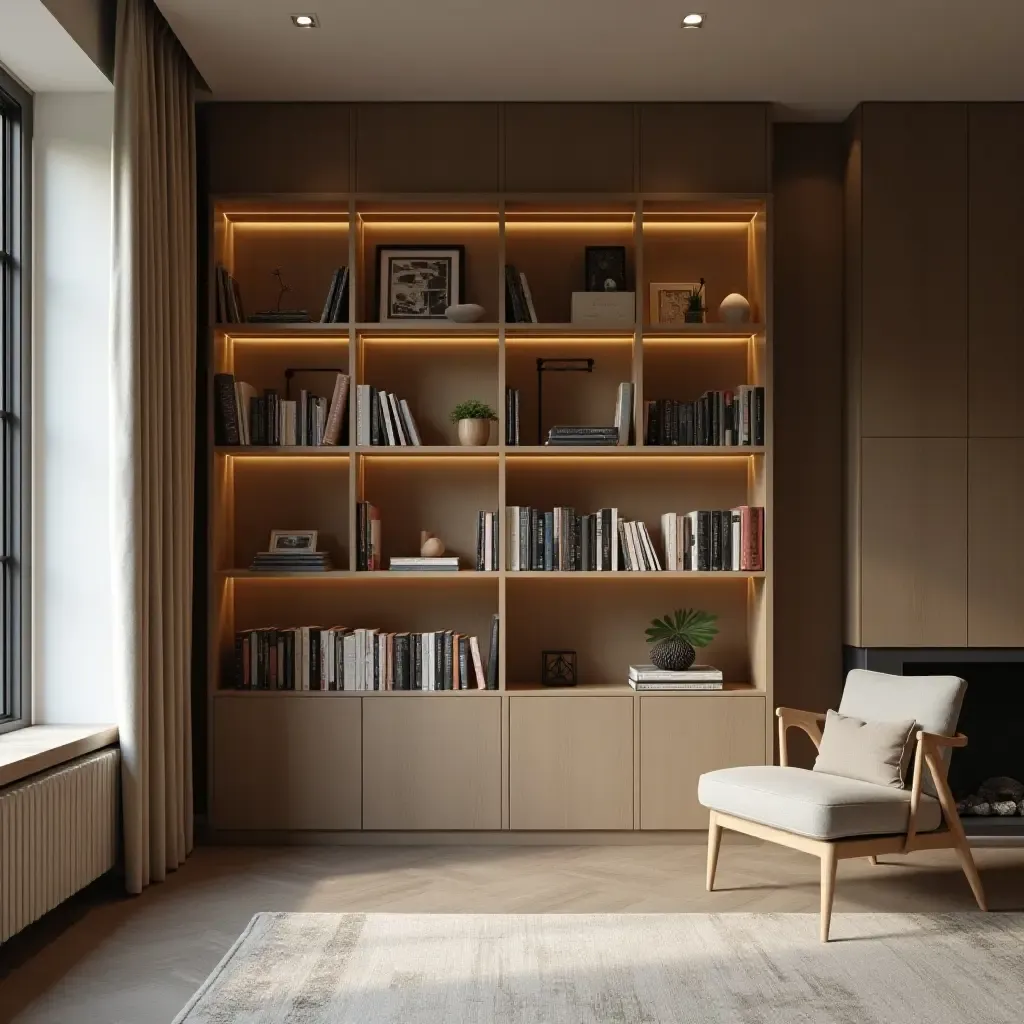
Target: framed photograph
418,282
606,268
293,540
670,303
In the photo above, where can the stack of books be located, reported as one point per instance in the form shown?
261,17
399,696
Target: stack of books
280,316
368,551
717,418
512,416
486,541
519,307
342,659
586,436
245,418
699,677
420,563
336,304
384,420
292,561
705,541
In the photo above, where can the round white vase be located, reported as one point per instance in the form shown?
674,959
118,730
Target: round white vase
734,309
474,433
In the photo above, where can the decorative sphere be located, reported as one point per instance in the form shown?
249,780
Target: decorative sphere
432,547
734,309
464,312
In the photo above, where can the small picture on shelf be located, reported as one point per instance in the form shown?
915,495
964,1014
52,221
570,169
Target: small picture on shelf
677,303
418,282
606,268
293,540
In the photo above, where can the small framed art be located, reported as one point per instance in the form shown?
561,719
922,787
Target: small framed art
418,282
606,268
673,303
293,540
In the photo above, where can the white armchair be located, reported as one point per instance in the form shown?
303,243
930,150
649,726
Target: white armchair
836,818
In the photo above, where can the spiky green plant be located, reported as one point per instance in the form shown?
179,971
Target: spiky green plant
675,637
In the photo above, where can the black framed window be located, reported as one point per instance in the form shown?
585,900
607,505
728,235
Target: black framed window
15,291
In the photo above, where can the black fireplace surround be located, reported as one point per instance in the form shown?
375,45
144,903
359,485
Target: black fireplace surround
992,717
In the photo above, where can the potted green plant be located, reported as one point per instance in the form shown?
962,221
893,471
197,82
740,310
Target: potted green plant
674,639
695,308
474,422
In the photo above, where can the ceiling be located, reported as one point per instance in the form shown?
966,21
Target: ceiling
815,58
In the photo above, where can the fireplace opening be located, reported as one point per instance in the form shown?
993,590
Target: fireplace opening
992,719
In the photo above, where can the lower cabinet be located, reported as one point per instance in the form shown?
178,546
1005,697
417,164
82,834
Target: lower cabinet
286,762
683,736
432,762
570,762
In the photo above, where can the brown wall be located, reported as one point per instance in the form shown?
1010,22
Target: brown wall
807,186
91,24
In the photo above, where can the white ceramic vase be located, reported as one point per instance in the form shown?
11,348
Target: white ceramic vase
464,313
474,433
734,309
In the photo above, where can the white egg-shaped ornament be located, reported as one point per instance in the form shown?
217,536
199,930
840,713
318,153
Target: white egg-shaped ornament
734,309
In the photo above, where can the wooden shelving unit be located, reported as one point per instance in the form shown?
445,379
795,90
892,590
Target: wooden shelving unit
441,486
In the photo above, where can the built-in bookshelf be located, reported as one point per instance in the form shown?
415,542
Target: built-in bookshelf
440,486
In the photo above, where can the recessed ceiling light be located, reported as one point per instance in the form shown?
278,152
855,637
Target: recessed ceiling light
305,21
693,21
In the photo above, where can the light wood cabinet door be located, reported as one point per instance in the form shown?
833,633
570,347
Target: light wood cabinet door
996,270
432,762
913,550
995,588
704,147
571,762
914,270
286,762
683,736
569,147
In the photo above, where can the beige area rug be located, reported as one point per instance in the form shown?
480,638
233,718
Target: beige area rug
617,969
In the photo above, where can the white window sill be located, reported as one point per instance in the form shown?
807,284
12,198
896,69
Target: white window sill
36,748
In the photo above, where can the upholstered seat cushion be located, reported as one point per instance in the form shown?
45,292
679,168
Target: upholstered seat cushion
813,804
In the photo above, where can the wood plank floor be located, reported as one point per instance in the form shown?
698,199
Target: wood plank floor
108,959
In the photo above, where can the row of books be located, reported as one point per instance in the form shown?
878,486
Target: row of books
368,550
716,418
561,541
229,309
383,419
241,417
362,660
227,298
519,308
511,416
705,541
487,542
335,309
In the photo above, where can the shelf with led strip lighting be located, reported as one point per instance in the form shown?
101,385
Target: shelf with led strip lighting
440,486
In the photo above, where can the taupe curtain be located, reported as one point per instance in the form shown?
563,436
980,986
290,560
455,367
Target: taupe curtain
153,380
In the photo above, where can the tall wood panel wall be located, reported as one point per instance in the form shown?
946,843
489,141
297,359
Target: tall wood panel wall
935,361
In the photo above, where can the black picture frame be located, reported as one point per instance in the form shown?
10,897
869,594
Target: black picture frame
605,268
433,308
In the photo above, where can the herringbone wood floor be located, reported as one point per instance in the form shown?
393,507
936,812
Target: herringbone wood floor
108,959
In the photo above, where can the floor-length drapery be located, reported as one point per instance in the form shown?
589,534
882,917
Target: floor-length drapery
153,427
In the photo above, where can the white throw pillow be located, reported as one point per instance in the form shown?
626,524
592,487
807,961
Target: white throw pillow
877,752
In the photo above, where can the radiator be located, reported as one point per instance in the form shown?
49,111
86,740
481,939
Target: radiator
58,833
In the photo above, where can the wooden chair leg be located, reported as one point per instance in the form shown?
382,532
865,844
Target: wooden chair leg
714,843
873,860
963,851
828,888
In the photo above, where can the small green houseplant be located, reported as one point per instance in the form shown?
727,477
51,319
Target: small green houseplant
474,422
674,639
695,308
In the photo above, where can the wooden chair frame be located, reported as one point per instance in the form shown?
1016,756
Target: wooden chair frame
831,851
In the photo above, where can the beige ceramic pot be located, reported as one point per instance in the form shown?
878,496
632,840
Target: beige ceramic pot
473,433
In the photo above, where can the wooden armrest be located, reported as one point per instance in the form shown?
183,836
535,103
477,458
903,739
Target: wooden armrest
808,721
938,740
